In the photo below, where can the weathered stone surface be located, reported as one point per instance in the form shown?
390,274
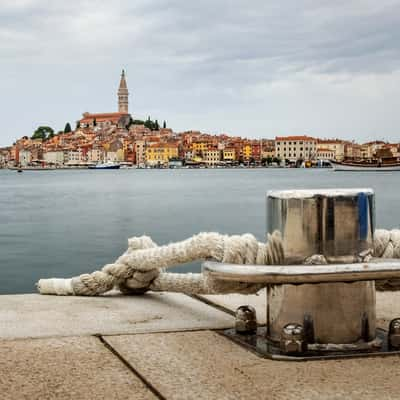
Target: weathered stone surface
34,315
65,368
387,307
205,365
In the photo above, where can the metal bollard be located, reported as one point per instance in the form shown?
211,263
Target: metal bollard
338,224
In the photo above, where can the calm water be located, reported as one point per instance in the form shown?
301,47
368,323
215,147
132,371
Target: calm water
63,223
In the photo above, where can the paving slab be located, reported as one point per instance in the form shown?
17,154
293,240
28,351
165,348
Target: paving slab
387,304
205,365
34,315
66,368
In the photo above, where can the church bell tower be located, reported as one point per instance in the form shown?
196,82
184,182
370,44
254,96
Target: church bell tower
123,94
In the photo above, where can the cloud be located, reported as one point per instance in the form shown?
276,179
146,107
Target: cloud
185,59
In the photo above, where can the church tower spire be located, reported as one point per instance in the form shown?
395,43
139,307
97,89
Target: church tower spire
123,94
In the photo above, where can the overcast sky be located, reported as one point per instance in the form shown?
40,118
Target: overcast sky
260,68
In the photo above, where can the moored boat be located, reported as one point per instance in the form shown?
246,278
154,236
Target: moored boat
20,169
364,166
107,165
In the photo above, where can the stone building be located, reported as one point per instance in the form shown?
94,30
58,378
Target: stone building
295,148
118,119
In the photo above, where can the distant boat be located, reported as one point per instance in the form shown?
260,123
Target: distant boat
366,166
20,169
107,165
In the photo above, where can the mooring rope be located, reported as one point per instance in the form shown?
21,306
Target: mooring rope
142,267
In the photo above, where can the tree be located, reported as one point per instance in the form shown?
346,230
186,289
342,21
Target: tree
67,128
136,122
78,124
156,126
277,160
149,124
164,125
94,122
42,132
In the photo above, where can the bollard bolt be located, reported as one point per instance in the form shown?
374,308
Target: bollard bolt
246,320
394,333
292,339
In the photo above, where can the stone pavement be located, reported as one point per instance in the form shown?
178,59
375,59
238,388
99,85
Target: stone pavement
164,346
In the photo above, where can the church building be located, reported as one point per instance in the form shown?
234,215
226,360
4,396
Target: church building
115,119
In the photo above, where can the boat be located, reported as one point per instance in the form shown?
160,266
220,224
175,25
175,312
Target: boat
364,166
20,169
107,165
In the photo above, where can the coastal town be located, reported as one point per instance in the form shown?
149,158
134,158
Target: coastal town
121,139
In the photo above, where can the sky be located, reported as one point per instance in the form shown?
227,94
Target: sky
256,68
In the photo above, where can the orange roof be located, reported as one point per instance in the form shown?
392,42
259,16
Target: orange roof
330,141
294,138
163,145
102,117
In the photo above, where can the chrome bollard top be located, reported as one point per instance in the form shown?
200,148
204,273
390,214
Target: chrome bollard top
338,223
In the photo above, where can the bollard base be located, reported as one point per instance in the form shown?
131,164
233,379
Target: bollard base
259,344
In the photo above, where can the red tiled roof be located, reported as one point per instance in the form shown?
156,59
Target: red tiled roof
102,117
294,138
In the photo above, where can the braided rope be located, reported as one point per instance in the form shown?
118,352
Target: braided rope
142,266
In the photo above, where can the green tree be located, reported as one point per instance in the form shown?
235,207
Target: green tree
164,125
78,124
277,160
67,128
156,126
42,132
136,122
149,124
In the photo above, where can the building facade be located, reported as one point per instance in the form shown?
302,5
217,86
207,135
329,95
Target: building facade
295,148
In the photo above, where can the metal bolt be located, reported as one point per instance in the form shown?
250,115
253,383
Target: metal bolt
292,339
394,333
246,320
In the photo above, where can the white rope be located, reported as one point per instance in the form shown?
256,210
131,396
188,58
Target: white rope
142,266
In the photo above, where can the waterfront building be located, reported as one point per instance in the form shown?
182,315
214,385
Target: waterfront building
369,149
333,145
295,148
95,154
325,154
246,151
75,156
55,157
115,151
4,156
229,155
267,149
159,154
25,157
352,150
140,152
198,147
212,156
